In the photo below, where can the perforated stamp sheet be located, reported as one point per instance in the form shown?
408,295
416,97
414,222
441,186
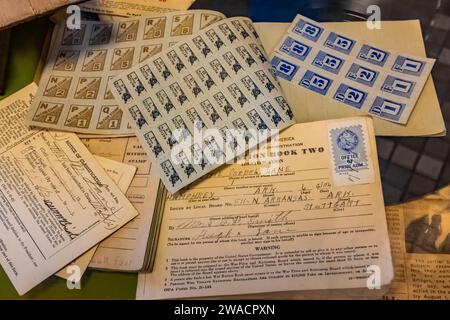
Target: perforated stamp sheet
381,82
203,101
350,152
73,93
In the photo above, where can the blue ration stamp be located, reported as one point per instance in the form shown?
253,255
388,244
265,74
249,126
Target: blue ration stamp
408,66
316,82
350,96
328,62
373,55
339,43
349,149
308,30
387,109
362,75
283,68
397,86
295,49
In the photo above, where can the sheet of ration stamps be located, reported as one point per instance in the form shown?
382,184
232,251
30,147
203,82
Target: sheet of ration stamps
186,101
73,94
355,74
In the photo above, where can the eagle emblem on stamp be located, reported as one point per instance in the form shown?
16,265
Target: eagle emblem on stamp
349,149
347,140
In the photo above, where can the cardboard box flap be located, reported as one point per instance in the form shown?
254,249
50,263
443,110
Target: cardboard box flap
15,11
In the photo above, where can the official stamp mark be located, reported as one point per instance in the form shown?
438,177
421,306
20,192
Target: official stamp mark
349,149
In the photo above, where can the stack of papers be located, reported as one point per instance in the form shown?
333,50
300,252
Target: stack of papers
166,142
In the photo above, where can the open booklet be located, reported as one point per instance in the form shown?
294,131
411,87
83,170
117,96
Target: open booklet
56,200
318,223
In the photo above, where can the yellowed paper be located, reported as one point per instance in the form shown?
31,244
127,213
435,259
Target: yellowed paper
403,36
73,93
122,175
238,232
57,201
13,12
134,7
126,250
420,241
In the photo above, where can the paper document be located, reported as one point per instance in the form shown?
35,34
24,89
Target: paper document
239,232
134,7
56,201
401,36
218,79
127,249
122,175
73,94
420,240
354,73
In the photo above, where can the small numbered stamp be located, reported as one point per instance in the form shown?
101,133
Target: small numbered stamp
232,62
259,52
187,52
362,75
315,82
271,113
151,108
246,56
57,87
182,25
73,37
387,109
328,62
122,91
48,112
87,88
373,55
154,28
227,32
79,116
238,95
66,60
240,29
94,60
208,19
308,30
408,66
127,31
182,161
170,173
153,143
214,38
253,90
283,68
397,86
149,50
110,118
122,58
282,103
256,120
100,34
202,46
295,48
350,96
137,117
339,43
